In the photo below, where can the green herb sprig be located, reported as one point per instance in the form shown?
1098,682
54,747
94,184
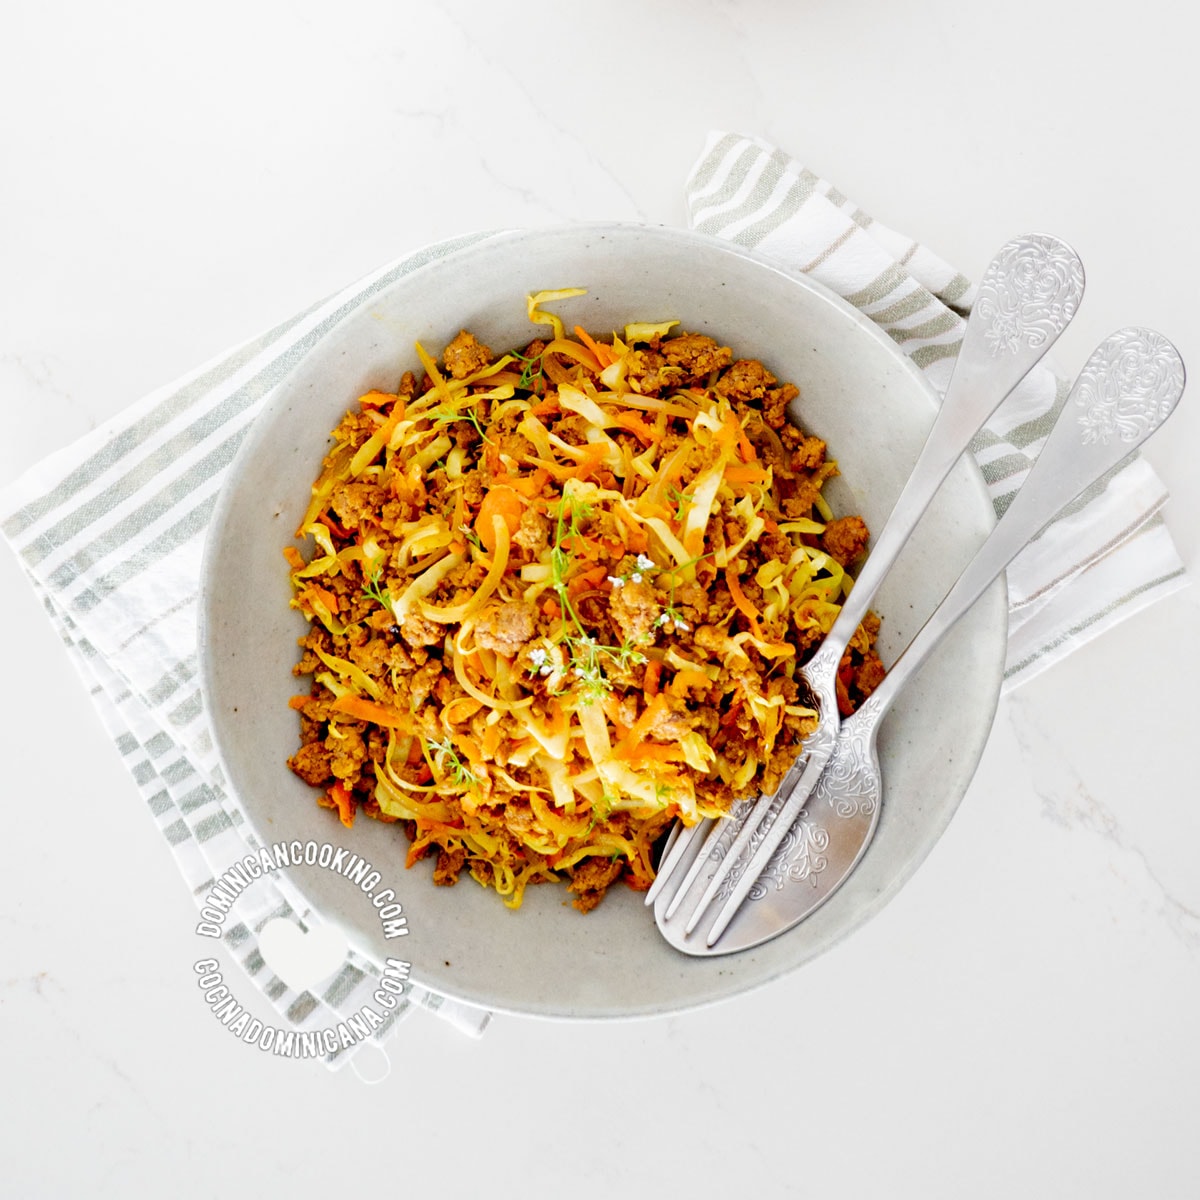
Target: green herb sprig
461,775
585,655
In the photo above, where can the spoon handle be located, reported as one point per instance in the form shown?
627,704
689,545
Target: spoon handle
1128,387
1026,298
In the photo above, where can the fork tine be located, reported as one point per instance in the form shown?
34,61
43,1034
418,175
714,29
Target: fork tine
715,833
767,826
762,819
672,838
684,838
752,823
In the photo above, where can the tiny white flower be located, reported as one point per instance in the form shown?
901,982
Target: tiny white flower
636,577
616,581
546,670
645,562
662,619
538,657
682,626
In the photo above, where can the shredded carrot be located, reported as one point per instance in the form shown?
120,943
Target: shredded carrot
492,737
344,803
295,559
739,598
587,580
500,502
612,710
747,474
529,485
362,709
689,679
643,432
298,702
604,354
327,598
592,452
655,752
651,679
377,399
638,730
389,426
334,527
729,434
745,445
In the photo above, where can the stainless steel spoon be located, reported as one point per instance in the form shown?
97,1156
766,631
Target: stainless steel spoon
1129,386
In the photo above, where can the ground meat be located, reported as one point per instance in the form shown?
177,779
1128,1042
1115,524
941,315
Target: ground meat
449,863
845,539
590,879
505,627
517,817
775,404
375,657
533,533
358,503
635,609
777,546
870,675
473,488
464,356
417,631
673,723
696,355
421,682
808,455
746,380
347,754
311,763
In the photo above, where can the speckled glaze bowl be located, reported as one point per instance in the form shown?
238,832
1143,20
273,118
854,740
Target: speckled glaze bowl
858,392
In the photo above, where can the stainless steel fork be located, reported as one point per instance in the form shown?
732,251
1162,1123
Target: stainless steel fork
1026,298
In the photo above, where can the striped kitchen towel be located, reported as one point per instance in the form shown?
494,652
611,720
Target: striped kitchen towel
111,532
1109,553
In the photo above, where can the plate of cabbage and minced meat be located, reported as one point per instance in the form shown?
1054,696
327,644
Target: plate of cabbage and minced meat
558,596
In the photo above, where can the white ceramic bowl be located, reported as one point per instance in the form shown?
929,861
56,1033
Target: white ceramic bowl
858,392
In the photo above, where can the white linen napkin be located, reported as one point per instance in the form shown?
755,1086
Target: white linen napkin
111,529
1109,553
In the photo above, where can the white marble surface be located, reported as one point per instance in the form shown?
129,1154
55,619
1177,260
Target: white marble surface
1021,1020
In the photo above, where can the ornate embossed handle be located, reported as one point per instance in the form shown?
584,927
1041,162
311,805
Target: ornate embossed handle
1028,295
1128,387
